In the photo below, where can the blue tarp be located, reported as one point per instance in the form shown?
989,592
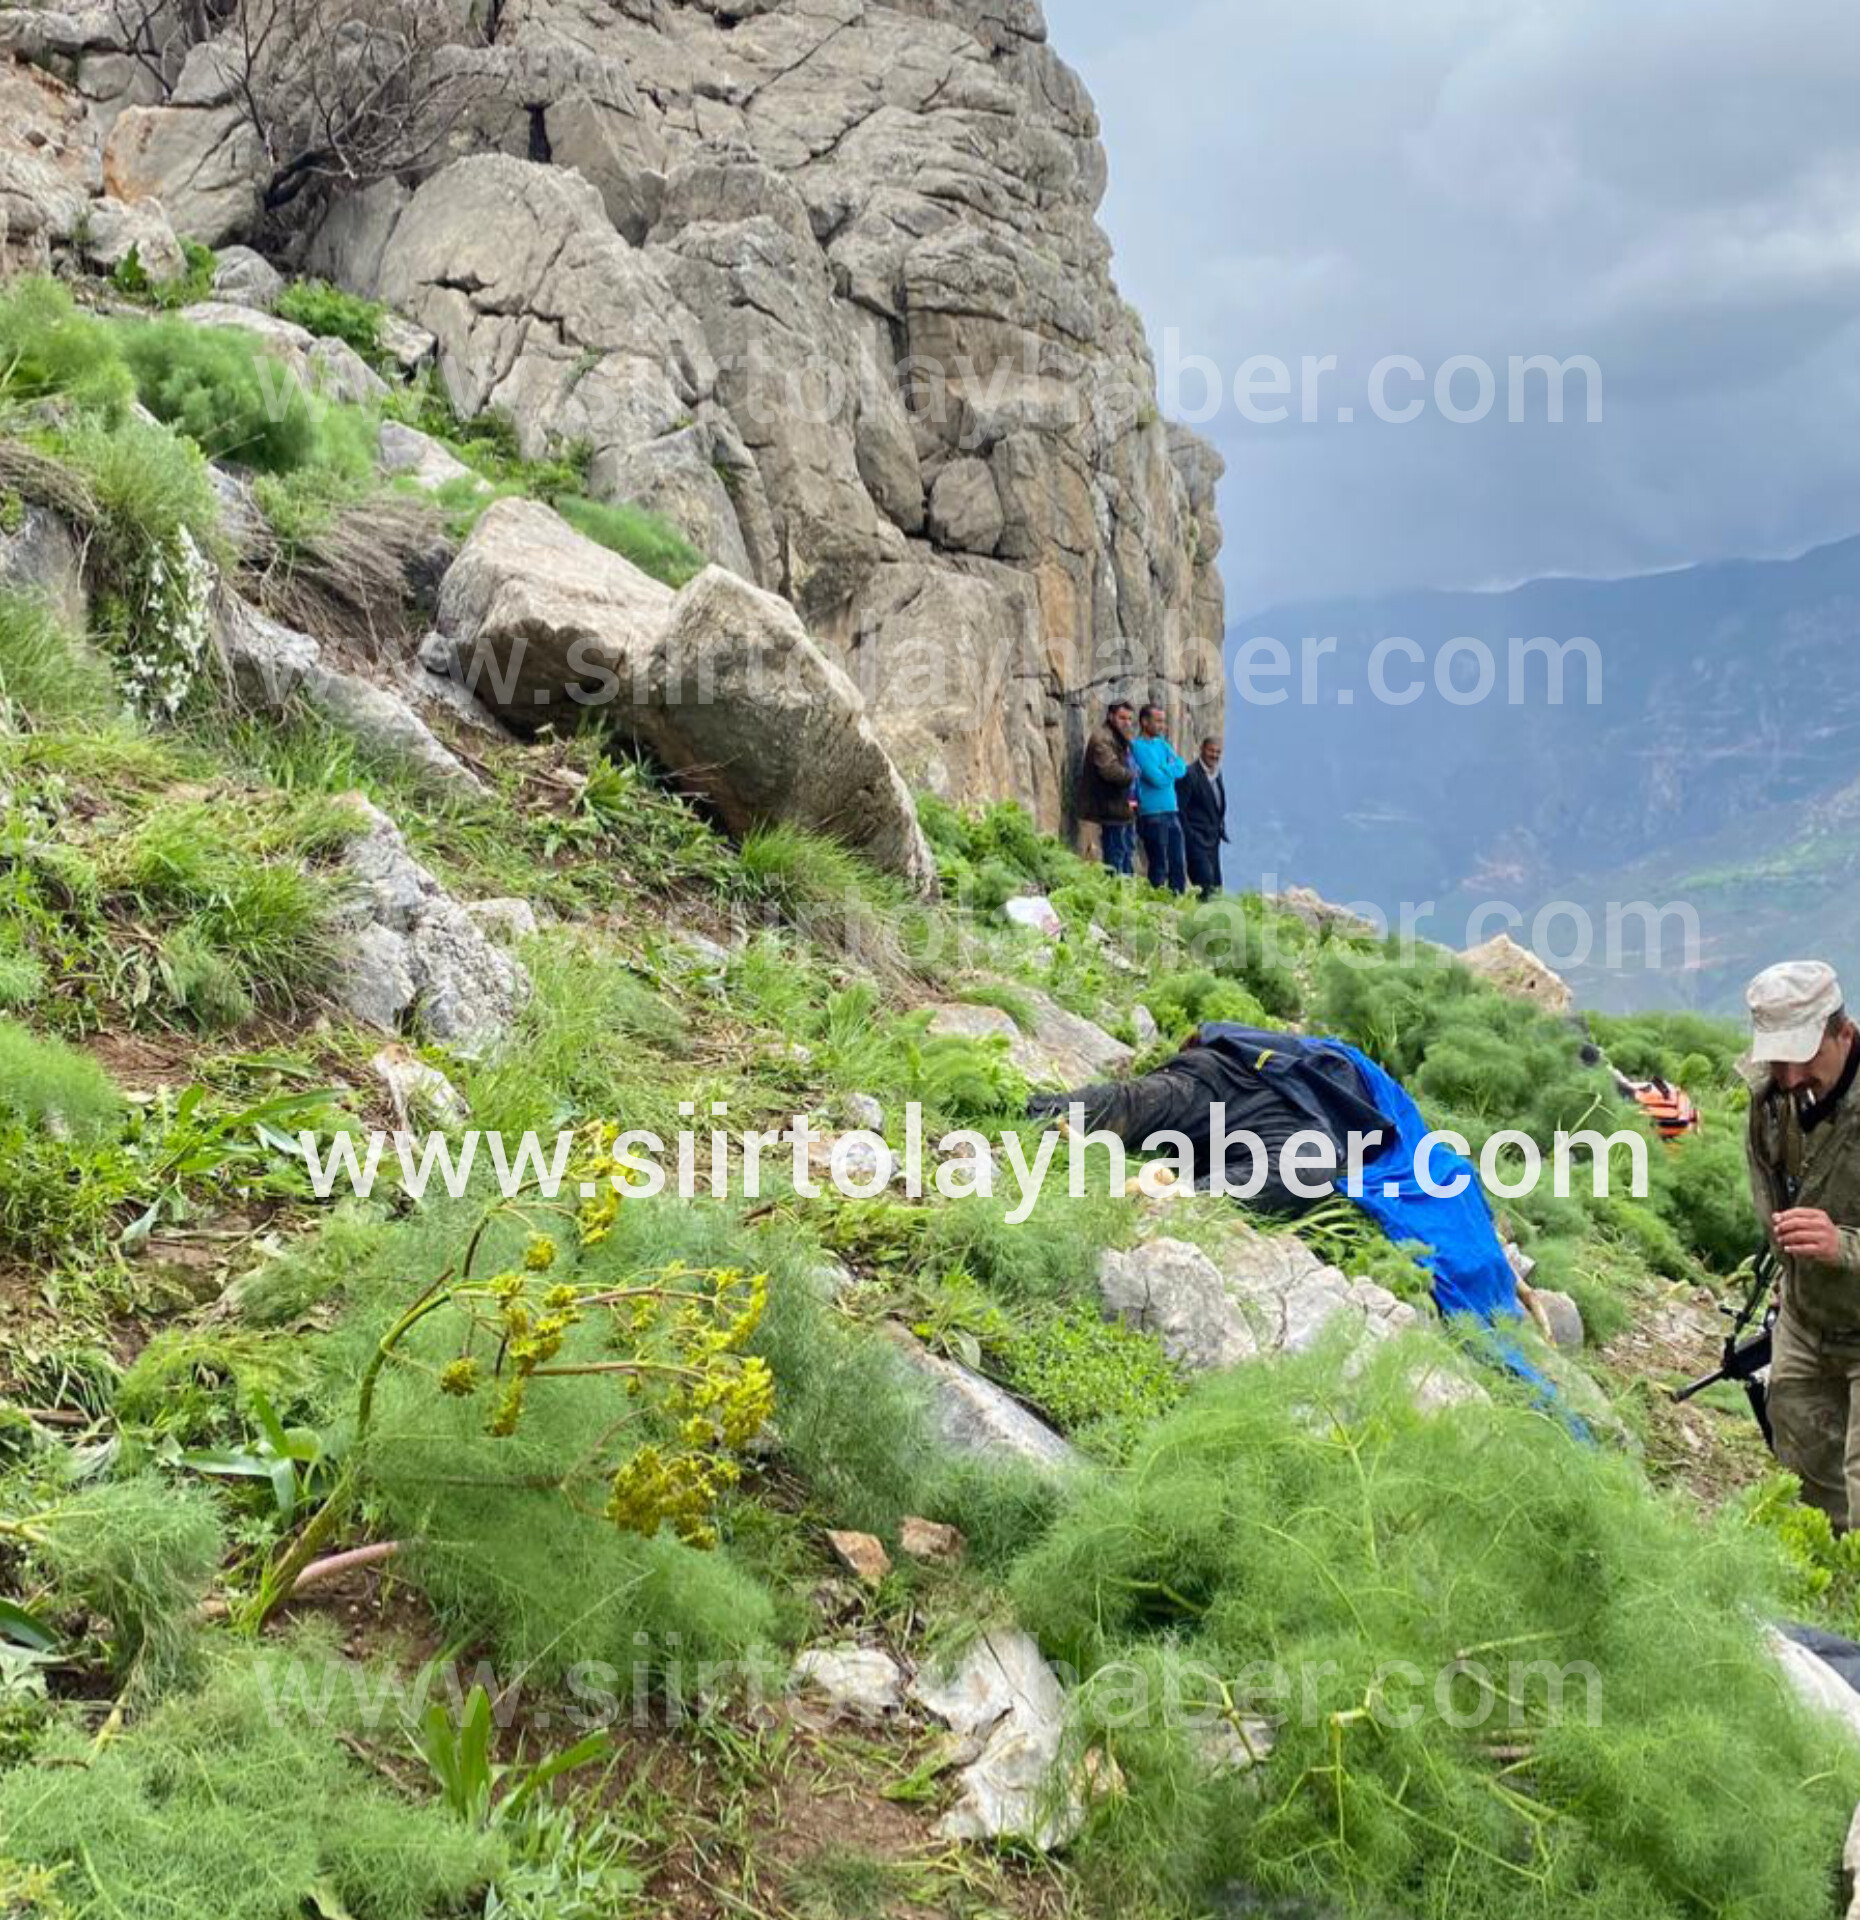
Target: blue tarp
1471,1272
1472,1275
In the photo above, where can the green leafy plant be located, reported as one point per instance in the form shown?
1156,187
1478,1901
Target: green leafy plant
297,1463
334,314
473,1786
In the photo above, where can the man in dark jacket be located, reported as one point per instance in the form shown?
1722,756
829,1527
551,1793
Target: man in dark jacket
1201,799
1266,1089
1107,793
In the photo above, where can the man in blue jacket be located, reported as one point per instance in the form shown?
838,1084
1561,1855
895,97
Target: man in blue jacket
1159,825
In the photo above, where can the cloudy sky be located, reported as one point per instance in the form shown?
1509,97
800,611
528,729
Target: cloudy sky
1671,187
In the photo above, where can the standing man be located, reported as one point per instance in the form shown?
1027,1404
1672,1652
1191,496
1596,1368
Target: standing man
1804,1152
1159,767
1107,787
1201,799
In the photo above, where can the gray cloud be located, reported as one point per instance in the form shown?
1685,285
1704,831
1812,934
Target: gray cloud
1671,187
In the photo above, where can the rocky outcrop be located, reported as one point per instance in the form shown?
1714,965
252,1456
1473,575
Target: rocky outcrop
1057,1049
819,281
973,1416
824,286
1516,971
276,670
41,556
1263,1295
720,683
1004,1701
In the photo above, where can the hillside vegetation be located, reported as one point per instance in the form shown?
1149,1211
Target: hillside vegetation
593,1452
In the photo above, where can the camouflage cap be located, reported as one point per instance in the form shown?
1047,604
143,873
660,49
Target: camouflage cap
1790,1006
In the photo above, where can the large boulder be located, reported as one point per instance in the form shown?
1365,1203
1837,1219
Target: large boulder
720,683
544,622
1518,973
203,164
741,704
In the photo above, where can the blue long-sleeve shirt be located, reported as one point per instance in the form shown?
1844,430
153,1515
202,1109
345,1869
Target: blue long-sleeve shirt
1159,767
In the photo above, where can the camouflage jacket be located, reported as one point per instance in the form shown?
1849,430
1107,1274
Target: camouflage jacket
1796,1166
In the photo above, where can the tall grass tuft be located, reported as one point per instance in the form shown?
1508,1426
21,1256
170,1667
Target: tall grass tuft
1515,1681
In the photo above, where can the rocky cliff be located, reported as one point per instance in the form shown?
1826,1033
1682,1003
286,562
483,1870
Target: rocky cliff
818,280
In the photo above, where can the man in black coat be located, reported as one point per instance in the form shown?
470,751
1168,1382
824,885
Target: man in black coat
1201,799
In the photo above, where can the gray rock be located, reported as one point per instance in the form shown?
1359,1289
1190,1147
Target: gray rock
853,247
41,557
41,207
543,622
677,477
418,1092
739,702
965,508
244,278
1174,1291
38,34
1002,1694
331,369
1518,973
974,1416
411,348
113,231
274,669
1558,1316
406,450
862,1681
491,244
1037,914
412,954
1143,1025
1063,1050
865,1112
1815,1684
1289,1296
202,163
504,921
350,243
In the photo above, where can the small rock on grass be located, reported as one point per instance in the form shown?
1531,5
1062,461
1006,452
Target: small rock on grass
862,1556
931,1540
865,1681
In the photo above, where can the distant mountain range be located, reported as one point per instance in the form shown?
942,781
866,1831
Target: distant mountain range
1719,768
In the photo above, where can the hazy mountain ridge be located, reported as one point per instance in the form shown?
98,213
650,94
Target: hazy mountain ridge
1716,764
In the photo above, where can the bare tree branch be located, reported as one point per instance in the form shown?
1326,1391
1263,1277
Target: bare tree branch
348,92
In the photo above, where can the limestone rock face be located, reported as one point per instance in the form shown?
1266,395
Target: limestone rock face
1517,971
818,281
824,287
202,163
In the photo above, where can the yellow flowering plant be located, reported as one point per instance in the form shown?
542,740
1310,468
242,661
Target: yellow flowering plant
677,1336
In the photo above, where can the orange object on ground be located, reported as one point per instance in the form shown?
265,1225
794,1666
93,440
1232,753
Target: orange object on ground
1669,1108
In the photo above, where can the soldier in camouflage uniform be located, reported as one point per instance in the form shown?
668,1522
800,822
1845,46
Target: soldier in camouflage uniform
1804,1151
